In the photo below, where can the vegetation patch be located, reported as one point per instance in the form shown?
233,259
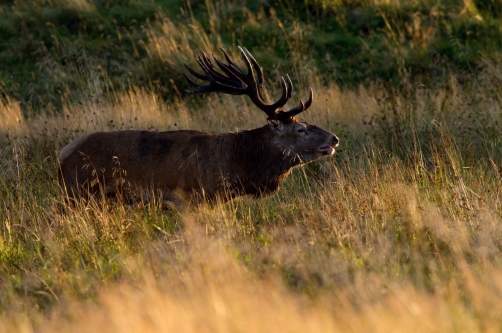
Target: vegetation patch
401,230
51,50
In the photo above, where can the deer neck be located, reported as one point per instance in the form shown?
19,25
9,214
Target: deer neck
261,166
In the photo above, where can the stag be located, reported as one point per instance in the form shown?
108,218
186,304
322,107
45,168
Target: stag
186,165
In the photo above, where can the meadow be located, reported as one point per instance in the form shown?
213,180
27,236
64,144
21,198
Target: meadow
401,230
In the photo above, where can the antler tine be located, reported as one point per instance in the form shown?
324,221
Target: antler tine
230,71
254,88
259,71
283,115
250,75
290,86
233,67
284,97
194,73
192,82
212,77
310,100
217,81
259,85
204,67
231,64
233,80
209,66
256,66
211,73
213,86
227,57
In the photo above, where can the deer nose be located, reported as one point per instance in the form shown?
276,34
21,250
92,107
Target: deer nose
335,140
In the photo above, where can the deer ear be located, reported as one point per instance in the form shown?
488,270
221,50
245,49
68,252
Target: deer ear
276,125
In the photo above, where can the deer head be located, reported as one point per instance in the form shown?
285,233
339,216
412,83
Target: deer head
300,140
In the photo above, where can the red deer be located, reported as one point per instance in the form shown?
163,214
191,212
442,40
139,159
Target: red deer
184,165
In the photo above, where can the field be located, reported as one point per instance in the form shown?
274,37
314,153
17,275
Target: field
399,231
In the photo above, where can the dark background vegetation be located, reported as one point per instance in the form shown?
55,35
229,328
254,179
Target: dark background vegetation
349,42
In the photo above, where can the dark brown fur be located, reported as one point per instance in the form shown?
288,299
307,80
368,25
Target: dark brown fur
187,162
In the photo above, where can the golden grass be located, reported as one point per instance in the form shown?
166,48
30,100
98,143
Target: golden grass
401,231
197,285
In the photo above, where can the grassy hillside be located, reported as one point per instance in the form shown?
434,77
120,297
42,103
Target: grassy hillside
400,231
49,49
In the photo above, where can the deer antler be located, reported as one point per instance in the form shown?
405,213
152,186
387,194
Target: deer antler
234,81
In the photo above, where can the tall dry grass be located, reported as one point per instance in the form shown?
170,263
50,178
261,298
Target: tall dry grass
400,231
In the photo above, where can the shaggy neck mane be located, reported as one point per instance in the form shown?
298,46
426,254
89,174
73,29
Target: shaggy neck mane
260,166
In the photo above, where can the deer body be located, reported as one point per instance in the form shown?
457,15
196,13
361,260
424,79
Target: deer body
187,163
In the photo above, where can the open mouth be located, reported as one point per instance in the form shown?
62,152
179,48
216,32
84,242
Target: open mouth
327,150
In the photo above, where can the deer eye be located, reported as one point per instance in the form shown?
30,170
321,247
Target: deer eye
302,130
